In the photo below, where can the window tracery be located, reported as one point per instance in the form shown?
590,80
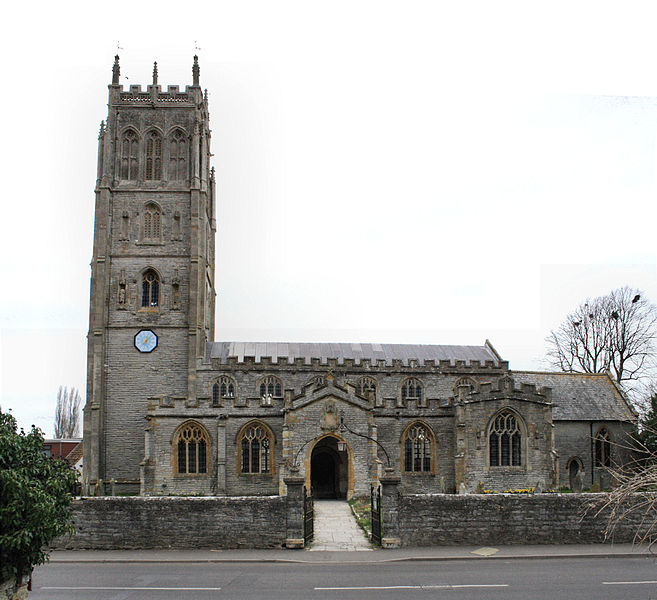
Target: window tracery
602,447
365,386
411,389
223,389
270,389
418,449
177,156
153,171
191,444
504,441
152,229
129,155
150,289
256,444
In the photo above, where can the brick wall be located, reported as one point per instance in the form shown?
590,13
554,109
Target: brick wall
443,520
221,522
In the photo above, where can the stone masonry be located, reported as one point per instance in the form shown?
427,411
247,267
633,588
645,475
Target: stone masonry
172,412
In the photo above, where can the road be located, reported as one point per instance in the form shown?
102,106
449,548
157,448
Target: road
522,579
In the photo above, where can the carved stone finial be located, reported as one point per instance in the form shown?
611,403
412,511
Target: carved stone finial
102,130
155,73
116,71
205,95
195,72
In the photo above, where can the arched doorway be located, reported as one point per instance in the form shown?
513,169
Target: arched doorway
574,469
328,469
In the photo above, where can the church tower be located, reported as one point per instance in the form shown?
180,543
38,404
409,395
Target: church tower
152,272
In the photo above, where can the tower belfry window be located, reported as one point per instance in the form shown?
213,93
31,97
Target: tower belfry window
129,149
152,223
153,157
150,289
178,156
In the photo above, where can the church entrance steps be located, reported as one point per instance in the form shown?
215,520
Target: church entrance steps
336,528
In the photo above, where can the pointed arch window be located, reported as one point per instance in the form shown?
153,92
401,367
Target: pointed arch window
256,448
152,228
411,389
129,155
150,289
177,156
270,388
191,444
505,441
602,447
418,449
318,381
153,171
366,386
223,389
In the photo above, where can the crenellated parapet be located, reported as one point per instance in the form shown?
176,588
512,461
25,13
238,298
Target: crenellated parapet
135,94
504,387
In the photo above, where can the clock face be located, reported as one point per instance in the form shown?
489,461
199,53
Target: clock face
145,341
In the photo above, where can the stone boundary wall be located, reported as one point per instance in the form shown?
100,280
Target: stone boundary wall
111,523
496,519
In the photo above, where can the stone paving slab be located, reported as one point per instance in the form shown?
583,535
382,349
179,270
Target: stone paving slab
335,528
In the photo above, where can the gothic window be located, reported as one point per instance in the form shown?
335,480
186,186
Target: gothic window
256,447
504,441
129,153
365,386
153,170
467,382
411,389
602,447
417,442
150,289
191,445
152,229
318,381
177,156
270,388
223,389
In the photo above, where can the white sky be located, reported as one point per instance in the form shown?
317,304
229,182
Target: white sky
419,172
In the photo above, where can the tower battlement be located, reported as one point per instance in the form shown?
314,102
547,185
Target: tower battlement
153,93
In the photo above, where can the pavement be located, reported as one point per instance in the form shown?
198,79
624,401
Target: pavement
434,553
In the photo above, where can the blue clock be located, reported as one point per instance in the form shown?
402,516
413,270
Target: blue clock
145,341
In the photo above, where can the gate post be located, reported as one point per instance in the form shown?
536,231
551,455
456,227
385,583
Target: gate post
294,529
390,509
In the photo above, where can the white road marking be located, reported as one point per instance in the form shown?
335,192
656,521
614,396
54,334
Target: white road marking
158,589
628,582
416,587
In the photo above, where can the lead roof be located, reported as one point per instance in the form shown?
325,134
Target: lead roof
355,352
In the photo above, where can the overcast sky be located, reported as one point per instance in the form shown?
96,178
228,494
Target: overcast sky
412,172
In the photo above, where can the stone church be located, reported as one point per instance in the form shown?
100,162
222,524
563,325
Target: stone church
171,411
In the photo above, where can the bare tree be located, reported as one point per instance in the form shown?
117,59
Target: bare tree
633,499
67,413
615,333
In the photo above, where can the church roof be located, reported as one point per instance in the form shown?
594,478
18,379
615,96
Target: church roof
355,352
581,396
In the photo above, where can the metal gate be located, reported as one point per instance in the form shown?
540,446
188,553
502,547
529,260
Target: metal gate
375,504
308,516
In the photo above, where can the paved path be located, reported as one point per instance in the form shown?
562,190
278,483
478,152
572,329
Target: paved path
336,528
